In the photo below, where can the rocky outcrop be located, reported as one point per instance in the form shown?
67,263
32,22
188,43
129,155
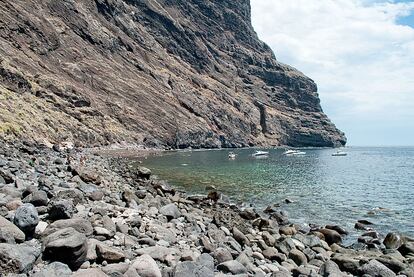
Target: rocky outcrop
161,73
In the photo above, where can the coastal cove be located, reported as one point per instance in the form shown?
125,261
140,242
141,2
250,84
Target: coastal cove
372,183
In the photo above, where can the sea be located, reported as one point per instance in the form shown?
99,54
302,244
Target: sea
370,183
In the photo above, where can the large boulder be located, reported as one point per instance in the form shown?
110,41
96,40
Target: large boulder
17,258
143,266
26,218
67,246
10,232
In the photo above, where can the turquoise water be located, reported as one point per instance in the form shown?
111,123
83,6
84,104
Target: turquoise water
325,189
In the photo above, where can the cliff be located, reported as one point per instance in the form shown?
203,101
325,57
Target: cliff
167,73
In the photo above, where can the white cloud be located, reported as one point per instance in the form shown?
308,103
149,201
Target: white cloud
361,59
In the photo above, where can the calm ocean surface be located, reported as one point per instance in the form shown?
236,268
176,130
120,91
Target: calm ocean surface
325,189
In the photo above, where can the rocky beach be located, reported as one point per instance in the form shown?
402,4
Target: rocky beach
67,212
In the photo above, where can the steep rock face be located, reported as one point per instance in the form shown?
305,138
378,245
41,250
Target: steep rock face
171,73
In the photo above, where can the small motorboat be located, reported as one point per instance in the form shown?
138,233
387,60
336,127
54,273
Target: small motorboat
259,154
339,153
232,156
292,152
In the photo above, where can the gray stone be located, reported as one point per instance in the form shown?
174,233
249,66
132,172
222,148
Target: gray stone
192,269
61,209
330,269
298,257
233,267
156,252
55,269
111,255
67,246
240,237
222,255
170,211
9,231
144,266
37,198
17,258
270,253
90,272
376,269
26,218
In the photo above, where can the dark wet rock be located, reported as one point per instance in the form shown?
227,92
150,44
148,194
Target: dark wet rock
61,209
376,269
26,218
331,236
37,198
337,228
392,241
17,258
162,186
233,267
361,226
10,232
280,217
406,249
67,246
143,266
365,222
55,269
170,211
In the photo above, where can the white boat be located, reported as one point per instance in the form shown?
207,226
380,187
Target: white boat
292,152
232,156
339,153
260,154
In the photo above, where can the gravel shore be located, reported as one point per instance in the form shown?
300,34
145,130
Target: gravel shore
67,212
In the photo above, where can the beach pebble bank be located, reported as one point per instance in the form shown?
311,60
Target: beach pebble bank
71,213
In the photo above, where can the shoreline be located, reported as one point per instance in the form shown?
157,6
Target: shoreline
122,218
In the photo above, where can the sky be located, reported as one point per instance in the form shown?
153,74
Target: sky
361,55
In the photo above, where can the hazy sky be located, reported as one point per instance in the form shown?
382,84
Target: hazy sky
359,52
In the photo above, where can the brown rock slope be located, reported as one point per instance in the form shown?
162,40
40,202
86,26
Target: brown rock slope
172,73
